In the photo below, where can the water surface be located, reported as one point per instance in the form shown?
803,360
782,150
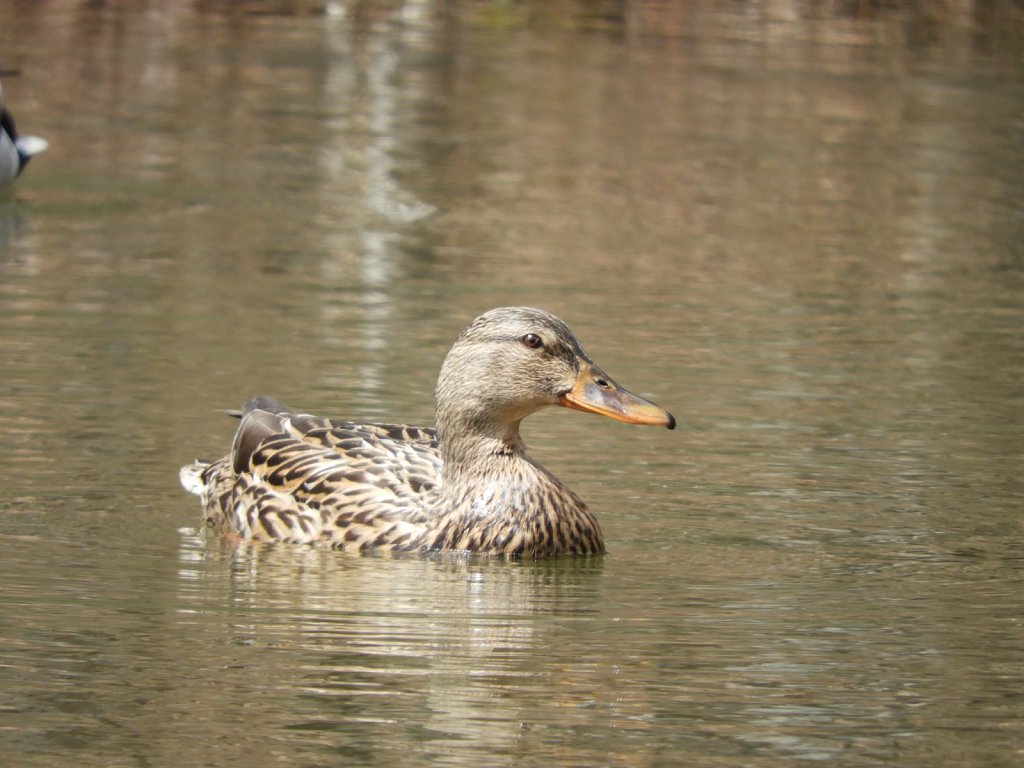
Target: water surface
801,233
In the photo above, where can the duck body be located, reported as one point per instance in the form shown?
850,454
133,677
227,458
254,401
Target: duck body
15,150
466,485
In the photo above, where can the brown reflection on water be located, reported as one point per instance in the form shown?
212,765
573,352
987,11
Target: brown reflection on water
446,647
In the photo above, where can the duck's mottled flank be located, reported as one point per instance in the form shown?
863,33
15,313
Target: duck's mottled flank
468,485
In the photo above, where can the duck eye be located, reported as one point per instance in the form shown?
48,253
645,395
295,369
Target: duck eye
532,340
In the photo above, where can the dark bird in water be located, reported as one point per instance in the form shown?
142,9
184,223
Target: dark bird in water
466,485
15,150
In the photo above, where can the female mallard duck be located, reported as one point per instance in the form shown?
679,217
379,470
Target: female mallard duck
467,485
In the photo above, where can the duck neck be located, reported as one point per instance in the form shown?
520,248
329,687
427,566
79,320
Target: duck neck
472,451
499,501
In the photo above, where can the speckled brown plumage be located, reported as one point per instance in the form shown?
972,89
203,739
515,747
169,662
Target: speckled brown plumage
468,485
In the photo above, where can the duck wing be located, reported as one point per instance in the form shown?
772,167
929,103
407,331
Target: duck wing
300,478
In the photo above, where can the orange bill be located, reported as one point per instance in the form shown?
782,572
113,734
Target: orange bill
595,392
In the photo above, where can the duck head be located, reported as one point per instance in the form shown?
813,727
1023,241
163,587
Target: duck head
513,361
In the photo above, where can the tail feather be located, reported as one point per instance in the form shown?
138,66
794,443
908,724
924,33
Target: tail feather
191,476
214,481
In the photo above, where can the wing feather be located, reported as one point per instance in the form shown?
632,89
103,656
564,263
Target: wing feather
299,478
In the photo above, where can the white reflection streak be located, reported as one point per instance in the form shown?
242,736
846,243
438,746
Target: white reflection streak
375,272
383,193
384,198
